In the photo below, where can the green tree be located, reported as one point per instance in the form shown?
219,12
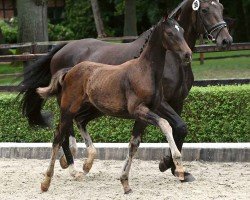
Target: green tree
130,22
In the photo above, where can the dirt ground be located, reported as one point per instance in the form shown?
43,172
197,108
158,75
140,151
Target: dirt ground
20,179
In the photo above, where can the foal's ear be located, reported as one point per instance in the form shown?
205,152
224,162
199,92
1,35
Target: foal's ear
177,15
165,18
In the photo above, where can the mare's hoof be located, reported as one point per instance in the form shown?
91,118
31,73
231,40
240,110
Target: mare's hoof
180,175
44,187
188,178
63,162
165,163
47,118
128,192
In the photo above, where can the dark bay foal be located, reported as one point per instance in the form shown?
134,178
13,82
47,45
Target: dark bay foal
131,90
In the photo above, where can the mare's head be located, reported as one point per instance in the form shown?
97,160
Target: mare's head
173,39
209,21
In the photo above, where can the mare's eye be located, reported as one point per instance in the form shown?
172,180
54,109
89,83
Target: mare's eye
204,11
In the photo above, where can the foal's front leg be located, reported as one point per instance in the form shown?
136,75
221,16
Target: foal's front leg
143,113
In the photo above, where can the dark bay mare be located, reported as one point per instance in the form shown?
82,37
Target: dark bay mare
132,90
177,77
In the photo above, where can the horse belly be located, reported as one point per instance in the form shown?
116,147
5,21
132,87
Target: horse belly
107,96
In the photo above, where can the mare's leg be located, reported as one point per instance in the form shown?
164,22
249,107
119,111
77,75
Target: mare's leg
179,130
179,133
71,144
143,113
135,140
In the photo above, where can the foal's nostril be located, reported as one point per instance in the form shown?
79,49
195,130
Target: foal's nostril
188,57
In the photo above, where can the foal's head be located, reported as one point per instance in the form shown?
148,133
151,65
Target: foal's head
173,40
209,19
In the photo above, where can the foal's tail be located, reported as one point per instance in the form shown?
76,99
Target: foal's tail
54,86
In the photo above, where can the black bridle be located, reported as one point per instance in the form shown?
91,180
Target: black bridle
209,31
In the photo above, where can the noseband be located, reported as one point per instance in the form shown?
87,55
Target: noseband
219,26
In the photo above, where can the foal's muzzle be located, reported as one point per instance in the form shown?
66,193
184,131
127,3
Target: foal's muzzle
187,57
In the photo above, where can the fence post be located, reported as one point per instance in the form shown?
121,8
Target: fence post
202,55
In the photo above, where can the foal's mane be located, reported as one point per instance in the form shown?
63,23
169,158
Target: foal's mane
148,37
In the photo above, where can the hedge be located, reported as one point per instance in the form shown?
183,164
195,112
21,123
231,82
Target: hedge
213,114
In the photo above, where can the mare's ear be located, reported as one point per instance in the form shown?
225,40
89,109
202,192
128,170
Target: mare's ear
175,14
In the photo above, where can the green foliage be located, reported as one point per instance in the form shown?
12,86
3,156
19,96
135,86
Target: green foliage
80,18
59,32
9,30
218,114
213,114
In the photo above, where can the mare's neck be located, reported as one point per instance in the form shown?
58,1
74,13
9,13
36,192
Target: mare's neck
142,38
153,56
186,22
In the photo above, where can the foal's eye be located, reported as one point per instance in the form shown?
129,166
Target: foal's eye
170,34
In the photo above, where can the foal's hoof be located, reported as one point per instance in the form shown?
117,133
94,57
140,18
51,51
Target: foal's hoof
165,163
188,178
63,162
44,187
86,167
128,191
78,176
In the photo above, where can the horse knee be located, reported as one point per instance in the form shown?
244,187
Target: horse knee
181,129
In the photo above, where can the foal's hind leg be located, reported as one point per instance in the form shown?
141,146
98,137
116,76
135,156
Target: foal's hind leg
86,114
58,140
90,149
50,171
135,140
143,113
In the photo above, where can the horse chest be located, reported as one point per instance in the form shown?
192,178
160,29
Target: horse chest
177,79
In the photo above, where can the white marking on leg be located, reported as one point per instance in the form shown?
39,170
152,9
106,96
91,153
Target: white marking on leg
72,145
176,155
91,151
167,130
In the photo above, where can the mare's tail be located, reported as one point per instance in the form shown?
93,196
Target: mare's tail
54,86
37,75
